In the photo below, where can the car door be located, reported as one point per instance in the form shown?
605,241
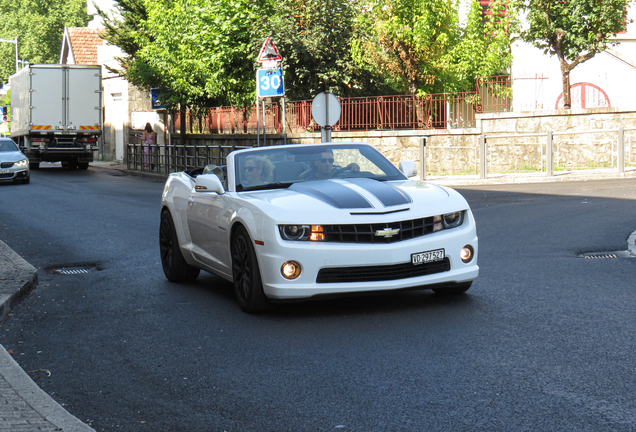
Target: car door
203,214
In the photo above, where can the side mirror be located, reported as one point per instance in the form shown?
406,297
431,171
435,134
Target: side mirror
408,168
209,183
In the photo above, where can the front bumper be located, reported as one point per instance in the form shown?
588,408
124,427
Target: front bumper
340,256
14,173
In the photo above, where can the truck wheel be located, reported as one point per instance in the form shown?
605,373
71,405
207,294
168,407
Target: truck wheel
34,165
82,165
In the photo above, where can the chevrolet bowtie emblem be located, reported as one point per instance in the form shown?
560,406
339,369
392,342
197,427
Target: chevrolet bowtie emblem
387,232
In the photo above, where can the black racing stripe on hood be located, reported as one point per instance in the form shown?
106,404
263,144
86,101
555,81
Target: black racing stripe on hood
332,193
386,193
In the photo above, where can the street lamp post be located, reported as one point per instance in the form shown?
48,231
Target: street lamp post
14,41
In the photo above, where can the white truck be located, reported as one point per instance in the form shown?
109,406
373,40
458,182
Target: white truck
56,113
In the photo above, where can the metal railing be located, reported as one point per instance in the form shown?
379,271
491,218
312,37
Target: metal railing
545,153
433,111
165,159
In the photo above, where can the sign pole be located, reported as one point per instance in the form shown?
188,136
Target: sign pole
264,125
258,122
284,124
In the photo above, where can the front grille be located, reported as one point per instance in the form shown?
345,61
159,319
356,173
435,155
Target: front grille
6,176
365,233
381,273
6,164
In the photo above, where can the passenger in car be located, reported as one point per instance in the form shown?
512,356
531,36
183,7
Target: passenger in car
257,170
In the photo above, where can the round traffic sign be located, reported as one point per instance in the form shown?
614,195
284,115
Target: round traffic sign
325,109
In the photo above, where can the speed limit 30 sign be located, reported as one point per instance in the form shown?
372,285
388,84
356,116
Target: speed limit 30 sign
270,82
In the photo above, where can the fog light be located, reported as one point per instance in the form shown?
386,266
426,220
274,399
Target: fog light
290,270
467,253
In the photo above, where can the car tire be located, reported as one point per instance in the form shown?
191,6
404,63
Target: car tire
26,180
174,265
459,288
248,286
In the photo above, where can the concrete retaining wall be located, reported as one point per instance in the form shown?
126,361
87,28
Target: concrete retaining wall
585,138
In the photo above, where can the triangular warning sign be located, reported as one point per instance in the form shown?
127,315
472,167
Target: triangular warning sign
269,52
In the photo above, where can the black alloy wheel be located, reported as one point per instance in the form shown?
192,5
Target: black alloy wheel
248,286
174,265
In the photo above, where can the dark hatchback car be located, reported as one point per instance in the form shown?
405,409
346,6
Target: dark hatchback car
14,165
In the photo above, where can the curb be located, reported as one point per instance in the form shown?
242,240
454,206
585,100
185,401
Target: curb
18,280
28,405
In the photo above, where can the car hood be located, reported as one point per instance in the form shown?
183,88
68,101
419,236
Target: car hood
12,156
358,196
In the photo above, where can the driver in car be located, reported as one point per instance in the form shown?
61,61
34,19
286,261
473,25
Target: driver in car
323,167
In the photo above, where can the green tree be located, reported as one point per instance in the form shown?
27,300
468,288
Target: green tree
39,27
573,30
484,46
315,39
198,52
421,46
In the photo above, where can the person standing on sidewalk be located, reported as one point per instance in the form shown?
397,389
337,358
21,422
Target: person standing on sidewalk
149,144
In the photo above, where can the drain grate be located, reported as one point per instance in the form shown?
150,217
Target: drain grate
77,269
72,271
600,255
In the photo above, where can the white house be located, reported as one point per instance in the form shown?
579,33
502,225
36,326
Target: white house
603,81
122,102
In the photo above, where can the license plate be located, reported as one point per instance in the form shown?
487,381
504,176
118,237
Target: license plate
4,171
427,257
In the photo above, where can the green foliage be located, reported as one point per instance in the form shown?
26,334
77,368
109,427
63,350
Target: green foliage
421,47
198,52
484,46
39,27
574,30
315,39
203,53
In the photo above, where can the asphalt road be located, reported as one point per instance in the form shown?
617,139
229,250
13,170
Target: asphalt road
544,340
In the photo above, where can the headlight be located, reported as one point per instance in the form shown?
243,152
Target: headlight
302,232
22,163
453,220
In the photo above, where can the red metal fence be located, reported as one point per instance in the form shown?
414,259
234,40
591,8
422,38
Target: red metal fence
458,110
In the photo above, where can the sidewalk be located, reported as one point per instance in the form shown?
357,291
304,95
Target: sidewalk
24,407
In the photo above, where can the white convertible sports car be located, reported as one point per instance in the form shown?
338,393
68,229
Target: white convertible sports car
298,221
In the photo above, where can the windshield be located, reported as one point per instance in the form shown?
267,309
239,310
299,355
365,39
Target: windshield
281,166
7,145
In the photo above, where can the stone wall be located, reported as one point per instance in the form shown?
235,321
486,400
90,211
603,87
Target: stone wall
516,142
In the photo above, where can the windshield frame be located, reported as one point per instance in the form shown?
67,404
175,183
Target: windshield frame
306,153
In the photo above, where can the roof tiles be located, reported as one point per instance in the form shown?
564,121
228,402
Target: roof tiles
84,43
